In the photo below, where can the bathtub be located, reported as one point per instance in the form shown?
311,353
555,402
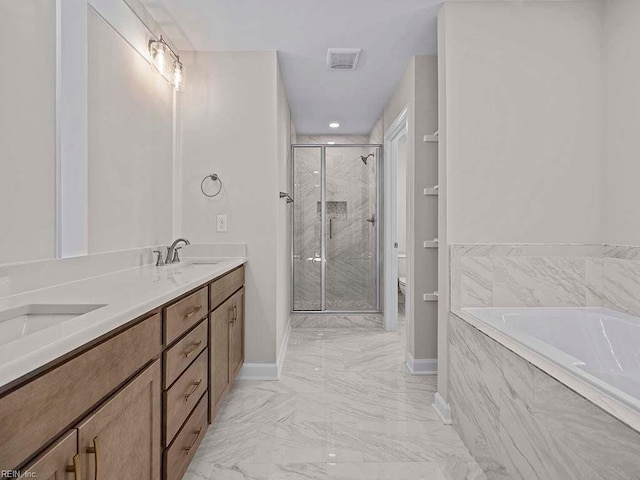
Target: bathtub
599,346
553,390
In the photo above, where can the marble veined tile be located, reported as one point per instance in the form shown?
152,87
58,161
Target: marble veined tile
531,452
343,409
476,288
593,435
539,281
622,285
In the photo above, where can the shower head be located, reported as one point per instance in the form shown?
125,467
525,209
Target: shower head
365,159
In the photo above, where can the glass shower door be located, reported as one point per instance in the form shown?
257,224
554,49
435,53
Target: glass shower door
307,235
335,228
351,247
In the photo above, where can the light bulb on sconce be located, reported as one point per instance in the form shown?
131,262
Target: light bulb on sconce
178,76
162,55
158,54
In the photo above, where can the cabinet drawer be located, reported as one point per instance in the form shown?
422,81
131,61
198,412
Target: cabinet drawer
182,315
184,394
178,456
34,414
224,287
53,463
178,357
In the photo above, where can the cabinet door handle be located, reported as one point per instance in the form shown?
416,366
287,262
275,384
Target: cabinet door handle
194,387
235,313
75,468
192,312
197,434
194,346
95,450
230,314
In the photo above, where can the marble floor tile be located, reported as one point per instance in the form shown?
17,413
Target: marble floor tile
344,408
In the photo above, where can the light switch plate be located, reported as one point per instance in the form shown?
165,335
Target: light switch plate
221,223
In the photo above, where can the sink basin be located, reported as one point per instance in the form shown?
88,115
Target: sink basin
18,323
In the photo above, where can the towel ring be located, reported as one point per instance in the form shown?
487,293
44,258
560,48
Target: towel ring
213,177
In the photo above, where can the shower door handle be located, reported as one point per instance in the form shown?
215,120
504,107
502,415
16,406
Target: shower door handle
331,228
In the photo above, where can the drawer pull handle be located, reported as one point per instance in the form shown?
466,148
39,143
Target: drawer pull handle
194,387
194,346
95,450
197,434
75,468
192,312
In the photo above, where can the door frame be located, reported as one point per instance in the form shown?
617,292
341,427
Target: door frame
398,129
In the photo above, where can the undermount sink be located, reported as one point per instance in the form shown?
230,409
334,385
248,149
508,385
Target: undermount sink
18,323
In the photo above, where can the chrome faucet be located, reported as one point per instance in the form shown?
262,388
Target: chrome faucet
172,251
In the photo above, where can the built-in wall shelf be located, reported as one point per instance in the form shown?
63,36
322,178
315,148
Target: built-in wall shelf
431,243
433,138
430,297
432,191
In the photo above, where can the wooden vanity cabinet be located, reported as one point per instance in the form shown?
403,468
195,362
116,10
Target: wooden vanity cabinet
227,347
61,461
134,404
121,440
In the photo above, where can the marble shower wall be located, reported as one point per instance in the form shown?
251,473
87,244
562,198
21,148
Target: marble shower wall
351,240
519,423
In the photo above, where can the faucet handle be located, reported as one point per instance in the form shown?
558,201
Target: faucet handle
176,255
159,260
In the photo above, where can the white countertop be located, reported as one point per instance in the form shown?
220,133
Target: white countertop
126,294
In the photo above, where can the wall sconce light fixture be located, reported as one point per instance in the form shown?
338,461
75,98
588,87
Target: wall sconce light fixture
162,56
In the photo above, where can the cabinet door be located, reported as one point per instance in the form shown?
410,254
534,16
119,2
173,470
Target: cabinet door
236,335
60,462
121,440
219,354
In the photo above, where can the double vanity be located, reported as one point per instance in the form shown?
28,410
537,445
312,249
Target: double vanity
118,376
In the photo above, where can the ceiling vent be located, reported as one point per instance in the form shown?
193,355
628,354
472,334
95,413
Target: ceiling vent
343,58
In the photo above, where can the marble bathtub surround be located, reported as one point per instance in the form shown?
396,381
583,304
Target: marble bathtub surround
520,423
545,275
344,408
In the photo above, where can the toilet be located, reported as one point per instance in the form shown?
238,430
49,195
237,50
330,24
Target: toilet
402,273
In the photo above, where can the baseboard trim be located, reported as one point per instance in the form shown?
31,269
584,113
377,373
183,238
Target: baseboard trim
283,347
258,371
442,408
267,371
421,366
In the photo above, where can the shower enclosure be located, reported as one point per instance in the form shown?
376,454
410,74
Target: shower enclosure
336,228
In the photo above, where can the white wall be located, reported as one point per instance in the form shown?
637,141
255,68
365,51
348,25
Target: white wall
27,130
524,123
230,128
402,195
621,164
130,145
417,91
521,128
284,211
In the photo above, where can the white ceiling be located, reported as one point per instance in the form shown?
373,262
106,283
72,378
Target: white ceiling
388,31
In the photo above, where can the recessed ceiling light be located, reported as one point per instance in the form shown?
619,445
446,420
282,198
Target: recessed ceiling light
331,143
334,125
